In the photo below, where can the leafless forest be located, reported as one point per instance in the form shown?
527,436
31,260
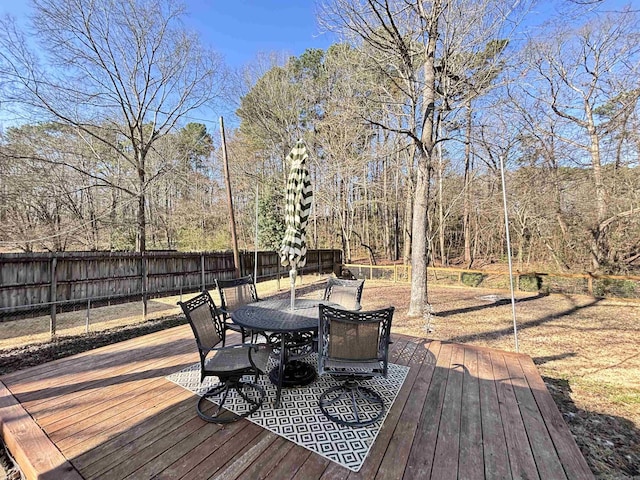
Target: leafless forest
406,118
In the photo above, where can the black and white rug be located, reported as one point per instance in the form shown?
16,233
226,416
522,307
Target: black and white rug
299,418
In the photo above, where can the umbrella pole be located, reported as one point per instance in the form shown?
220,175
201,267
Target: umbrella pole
255,256
292,277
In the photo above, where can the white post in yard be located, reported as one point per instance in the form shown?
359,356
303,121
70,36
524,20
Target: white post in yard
506,225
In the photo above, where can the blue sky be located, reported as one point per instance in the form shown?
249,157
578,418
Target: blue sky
240,29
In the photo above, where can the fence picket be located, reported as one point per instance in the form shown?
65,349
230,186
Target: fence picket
63,281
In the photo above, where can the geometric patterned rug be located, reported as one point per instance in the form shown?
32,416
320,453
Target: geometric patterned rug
299,418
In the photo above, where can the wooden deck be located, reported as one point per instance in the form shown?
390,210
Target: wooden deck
463,412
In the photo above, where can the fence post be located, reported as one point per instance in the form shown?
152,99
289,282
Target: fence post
86,329
459,278
143,273
395,273
590,285
204,283
53,296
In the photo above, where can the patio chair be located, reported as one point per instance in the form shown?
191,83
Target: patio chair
355,346
233,294
228,363
347,293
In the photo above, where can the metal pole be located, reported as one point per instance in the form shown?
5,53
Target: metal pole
292,278
204,285
506,225
232,219
145,285
53,297
255,257
88,319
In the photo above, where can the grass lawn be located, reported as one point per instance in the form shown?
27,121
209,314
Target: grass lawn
586,349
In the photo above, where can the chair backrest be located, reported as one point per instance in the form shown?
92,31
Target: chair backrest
205,321
354,336
347,293
236,292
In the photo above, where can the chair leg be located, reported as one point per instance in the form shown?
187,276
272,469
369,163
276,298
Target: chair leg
351,405
219,395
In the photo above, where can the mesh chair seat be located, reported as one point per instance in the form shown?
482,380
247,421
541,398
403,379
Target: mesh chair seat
353,345
235,359
346,297
235,293
346,293
229,364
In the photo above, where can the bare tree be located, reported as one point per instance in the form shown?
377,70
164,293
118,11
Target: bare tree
412,45
122,73
401,40
584,72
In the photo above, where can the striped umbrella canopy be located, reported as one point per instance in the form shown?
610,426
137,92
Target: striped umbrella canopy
293,252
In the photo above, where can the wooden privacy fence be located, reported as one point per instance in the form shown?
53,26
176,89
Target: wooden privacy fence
36,283
603,286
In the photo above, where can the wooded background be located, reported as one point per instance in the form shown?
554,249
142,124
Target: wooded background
558,102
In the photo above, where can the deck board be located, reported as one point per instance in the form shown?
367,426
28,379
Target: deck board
571,459
518,446
423,448
496,458
541,445
463,412
407,408
471,421
445,463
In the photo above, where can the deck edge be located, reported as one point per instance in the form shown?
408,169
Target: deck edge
34,452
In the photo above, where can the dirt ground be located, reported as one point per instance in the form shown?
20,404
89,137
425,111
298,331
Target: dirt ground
586,349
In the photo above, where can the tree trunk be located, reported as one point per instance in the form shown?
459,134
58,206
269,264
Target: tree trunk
385,211
441,222
141,221
408,218
466,214
419,240
599,249
396,214
419,299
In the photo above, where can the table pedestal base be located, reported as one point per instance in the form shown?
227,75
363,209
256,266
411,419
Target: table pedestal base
296,374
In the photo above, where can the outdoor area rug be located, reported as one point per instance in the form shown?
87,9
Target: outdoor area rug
299,418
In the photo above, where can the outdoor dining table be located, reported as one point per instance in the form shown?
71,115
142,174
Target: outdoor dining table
293,329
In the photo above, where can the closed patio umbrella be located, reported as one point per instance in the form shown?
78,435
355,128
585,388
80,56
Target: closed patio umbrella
293,252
